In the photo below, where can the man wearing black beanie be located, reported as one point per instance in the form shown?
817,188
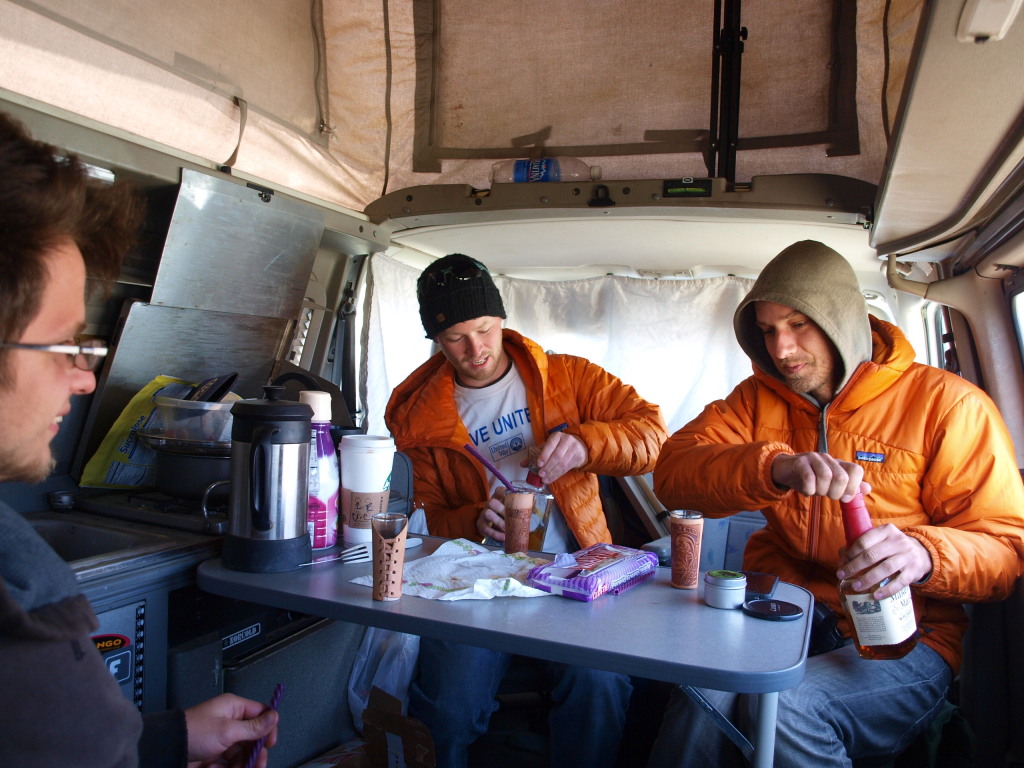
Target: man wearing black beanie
499,391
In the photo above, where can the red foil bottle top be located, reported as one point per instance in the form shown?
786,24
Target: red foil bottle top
856,520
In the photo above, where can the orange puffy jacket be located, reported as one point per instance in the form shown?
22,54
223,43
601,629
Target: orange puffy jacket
622,433
934,449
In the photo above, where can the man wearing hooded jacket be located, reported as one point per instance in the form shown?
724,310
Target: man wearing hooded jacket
837,405
493,388
59,704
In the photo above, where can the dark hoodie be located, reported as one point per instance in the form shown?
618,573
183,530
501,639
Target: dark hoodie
813,279
60,704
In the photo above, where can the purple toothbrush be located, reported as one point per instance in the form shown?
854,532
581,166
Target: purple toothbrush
258,746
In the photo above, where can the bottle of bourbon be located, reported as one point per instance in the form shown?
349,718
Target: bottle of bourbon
882,629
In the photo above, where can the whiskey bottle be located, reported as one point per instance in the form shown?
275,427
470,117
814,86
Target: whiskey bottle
882,629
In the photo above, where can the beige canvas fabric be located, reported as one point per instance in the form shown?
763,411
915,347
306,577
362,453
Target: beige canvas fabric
345,101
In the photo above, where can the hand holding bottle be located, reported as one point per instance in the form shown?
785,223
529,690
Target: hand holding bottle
881,619
490,523
560,453
884,554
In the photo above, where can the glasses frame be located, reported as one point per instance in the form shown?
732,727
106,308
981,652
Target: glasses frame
86,355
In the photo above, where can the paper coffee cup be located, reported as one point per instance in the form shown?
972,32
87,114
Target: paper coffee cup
366,462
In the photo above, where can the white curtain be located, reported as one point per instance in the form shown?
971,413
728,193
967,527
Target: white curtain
671,339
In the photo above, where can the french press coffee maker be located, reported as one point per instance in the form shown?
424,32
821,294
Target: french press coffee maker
270,443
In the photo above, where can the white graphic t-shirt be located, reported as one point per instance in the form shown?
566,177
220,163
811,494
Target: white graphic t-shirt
498,421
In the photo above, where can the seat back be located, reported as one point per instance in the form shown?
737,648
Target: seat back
400,497
991,680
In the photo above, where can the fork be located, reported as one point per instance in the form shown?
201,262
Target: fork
358,553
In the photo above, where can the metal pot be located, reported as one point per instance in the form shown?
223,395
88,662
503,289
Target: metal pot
190,469
195,477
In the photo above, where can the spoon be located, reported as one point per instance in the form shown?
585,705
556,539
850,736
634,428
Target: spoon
516,486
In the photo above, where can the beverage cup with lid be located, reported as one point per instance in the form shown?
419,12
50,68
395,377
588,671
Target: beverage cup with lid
366,463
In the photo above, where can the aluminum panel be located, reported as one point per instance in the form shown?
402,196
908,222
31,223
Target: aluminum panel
187,343
220,228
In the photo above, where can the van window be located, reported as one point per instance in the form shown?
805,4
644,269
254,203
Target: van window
936,328
1017,308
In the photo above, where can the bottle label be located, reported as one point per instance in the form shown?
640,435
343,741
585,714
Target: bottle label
533,170
324,486
882,622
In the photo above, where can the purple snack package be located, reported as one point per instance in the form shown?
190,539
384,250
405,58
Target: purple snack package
599,569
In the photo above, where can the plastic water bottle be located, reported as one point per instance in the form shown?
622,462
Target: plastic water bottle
544,169
324,474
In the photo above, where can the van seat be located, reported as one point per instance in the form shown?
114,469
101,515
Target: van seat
991,680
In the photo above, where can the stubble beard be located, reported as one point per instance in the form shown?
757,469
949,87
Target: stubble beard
11,470
813,382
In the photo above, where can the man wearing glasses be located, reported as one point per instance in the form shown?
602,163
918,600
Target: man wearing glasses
502,393
84,354
46,377
59,705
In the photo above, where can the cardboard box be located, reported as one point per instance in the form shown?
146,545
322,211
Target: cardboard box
351,754
387,731
390,740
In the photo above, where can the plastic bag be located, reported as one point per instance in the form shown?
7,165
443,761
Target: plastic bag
418,522
385,659
123,460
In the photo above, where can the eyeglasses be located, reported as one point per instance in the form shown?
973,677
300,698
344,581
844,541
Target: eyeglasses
85,354
461,270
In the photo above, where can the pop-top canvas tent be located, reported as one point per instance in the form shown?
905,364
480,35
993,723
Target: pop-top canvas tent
344,102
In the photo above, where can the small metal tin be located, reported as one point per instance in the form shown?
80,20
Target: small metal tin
724,589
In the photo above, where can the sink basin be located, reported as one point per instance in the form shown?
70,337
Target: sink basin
88,543
77,541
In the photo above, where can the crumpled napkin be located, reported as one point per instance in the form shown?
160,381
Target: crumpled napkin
462,570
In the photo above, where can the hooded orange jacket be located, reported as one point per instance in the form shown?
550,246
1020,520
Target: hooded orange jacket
621,431
934,448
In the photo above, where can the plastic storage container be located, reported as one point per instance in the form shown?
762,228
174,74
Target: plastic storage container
544,169
194,420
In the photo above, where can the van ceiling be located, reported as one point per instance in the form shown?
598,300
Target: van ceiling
349,101
346,102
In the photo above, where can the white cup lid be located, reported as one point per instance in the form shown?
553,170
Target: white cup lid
367,443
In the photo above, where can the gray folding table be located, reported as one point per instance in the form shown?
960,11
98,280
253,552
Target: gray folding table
652,630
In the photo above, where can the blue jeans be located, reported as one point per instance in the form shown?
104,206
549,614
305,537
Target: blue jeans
453,695
845,708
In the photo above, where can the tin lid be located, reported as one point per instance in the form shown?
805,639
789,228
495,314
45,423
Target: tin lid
726,579
772,610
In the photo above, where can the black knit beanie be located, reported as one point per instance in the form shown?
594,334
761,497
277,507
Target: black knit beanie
454,289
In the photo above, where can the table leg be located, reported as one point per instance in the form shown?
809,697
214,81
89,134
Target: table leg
764,737
725,725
